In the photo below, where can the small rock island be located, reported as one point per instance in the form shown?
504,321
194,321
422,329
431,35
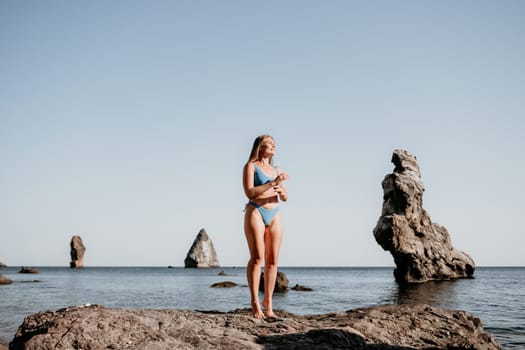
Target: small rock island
281,283
25,269
5,280
202,252
422,250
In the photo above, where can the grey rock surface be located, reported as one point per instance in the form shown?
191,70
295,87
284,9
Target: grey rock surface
422,250
77,252
382,327
202,252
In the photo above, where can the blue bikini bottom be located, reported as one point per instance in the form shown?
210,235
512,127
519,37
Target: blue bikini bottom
267,214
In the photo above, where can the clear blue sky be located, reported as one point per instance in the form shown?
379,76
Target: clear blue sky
128,123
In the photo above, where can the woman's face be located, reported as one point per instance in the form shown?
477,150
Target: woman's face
268,147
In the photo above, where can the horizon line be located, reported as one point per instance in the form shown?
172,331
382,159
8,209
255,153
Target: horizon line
240,266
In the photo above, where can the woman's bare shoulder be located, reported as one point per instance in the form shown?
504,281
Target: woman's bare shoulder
249,166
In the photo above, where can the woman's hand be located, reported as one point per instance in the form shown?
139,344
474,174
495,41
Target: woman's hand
280,178
279,187
281,192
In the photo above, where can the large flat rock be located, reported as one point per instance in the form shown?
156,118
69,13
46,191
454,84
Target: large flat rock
381,327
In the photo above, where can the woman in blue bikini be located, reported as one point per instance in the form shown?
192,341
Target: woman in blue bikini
264,186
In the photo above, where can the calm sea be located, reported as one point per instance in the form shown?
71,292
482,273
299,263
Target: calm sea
496,295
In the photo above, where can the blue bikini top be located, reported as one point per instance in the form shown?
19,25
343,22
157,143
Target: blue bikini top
260,178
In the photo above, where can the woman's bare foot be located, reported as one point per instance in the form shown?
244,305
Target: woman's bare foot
268,308
257,312
270,313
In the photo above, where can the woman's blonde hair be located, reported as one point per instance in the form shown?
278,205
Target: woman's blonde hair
255,154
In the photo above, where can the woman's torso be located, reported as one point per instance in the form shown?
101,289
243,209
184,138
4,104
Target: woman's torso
262,175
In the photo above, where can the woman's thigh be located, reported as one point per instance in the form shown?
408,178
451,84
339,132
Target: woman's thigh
254,230
273,236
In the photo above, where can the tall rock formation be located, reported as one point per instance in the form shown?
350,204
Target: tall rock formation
202,253
422,250
77,252
2,264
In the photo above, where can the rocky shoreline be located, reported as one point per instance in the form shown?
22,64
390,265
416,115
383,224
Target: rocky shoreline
381,327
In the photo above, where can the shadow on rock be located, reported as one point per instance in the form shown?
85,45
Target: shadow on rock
314,339
335,338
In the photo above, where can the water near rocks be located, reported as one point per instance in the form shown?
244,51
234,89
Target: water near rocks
496,295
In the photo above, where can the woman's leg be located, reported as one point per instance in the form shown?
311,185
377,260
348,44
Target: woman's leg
272,241
254,231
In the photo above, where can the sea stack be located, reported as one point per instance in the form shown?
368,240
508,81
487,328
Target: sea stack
2,264
77,252
421,249
202,253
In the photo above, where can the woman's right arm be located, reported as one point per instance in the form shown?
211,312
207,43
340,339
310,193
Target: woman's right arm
252,191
